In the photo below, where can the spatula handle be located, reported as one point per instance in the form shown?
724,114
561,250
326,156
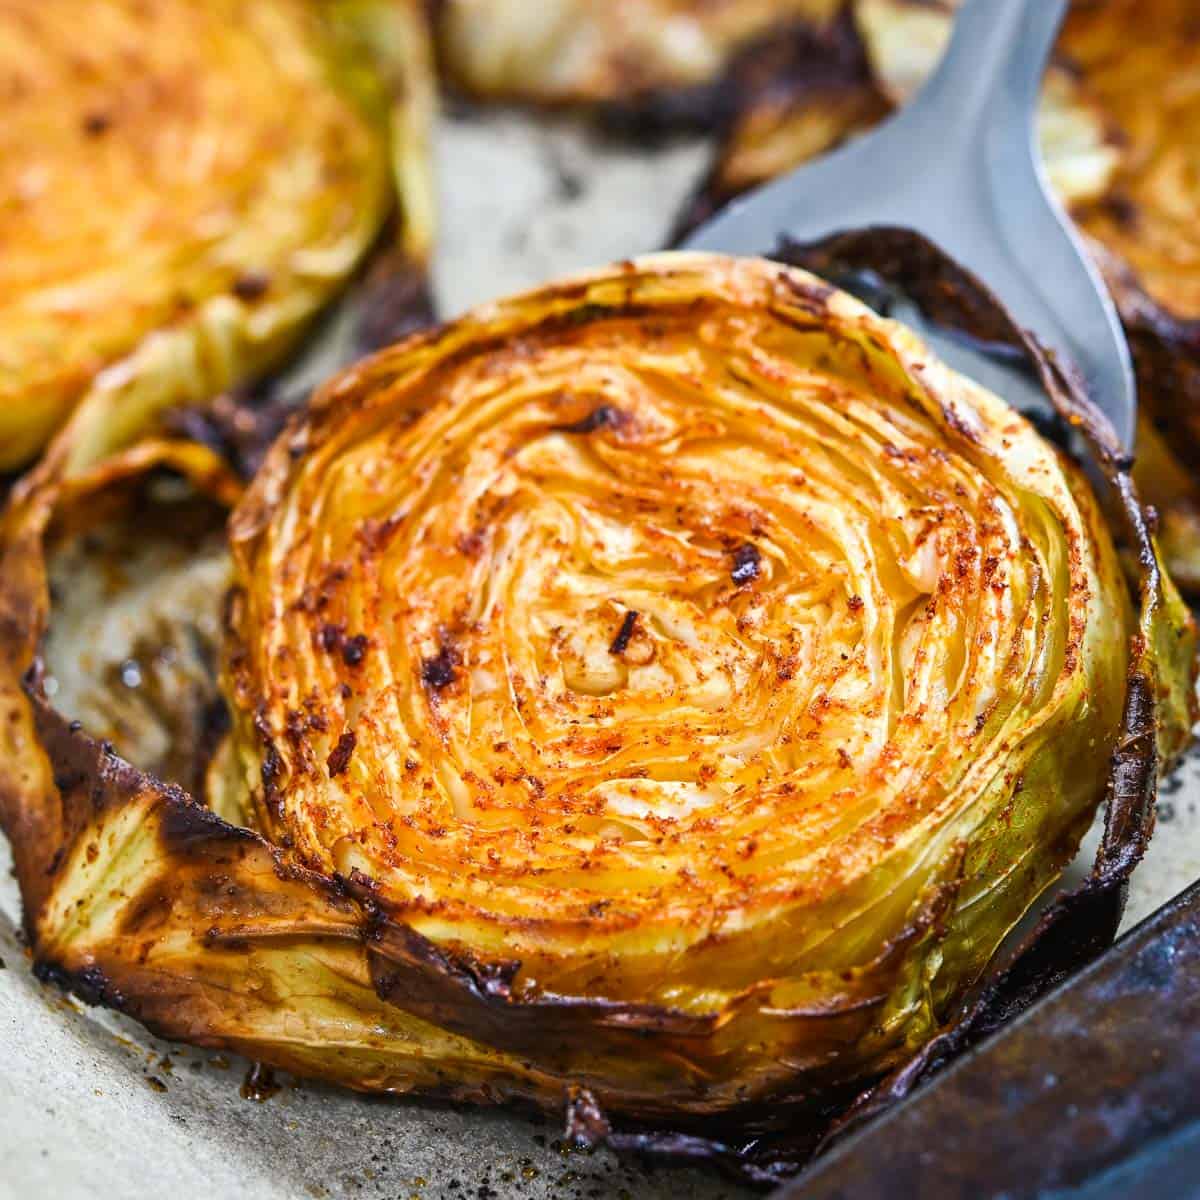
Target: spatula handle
994,63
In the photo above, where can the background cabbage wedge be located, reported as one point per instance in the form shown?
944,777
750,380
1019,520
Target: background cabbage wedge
184,188
696,903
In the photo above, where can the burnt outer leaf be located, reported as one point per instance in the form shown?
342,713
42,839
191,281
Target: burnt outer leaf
237,910
239,426
790,55
826,67
396,301
795,59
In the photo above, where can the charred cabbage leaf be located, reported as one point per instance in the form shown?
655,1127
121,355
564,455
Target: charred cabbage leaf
185,185
658,694
1120,106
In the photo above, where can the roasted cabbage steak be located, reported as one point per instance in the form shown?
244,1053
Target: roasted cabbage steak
658,693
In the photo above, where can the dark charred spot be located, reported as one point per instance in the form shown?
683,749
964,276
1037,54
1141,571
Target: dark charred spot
1122,210
364,889
470,543
67,778
440,671
396,303
239,425
149,911
96,123
91,985
812,295
329,637
895,452
272,768
855,603
354,649
494,978
186,826
621,642
260,1083
251,285
295,725
375,534
747,564
606,416
339,756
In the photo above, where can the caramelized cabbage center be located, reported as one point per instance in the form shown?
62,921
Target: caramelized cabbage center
647,610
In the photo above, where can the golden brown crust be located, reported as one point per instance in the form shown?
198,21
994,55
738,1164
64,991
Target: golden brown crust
170,225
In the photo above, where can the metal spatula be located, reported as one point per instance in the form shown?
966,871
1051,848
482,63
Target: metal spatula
1092,1094
960,166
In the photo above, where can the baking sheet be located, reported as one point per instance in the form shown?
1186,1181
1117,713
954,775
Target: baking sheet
90,1104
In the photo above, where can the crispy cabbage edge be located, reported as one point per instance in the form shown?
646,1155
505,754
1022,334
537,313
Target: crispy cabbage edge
236,945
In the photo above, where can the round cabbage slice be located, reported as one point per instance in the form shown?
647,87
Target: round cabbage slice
185,185
662,628
660,692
